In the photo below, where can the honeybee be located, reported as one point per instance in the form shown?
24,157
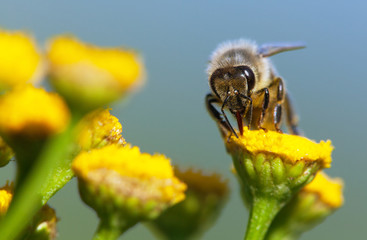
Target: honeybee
243,80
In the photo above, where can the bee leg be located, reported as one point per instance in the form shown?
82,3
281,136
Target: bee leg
292,119
223,124
278,108
264,107
277,117
227,121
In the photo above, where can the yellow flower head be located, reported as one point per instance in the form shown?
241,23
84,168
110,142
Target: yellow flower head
329,190
92,75
201,183
99,128
290,148
20,60
276,165
32,112
6,195
131,176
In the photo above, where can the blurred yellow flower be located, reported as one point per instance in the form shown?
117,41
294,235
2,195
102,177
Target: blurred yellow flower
32,112
313,204
201,183
92,75
99,128
138,179
6,195
329,190
20,60
290,148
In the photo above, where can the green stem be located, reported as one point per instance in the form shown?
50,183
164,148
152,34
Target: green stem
262,214
282,234
111,230
27,199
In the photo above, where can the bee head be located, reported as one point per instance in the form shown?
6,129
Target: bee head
233,85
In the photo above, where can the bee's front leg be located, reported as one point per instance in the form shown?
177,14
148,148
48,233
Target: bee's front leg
221,119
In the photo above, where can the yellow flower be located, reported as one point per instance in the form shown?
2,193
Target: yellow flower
290,148
99,128
20,60
91,75
139,183
266,160
272,167
329,190
32,112
6,195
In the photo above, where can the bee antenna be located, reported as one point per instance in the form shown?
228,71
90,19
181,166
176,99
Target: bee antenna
267,50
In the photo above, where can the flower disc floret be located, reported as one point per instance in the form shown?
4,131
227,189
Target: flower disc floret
32,112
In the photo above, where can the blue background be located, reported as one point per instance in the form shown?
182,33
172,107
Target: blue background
327,81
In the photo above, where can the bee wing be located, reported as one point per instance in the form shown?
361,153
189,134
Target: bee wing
270,49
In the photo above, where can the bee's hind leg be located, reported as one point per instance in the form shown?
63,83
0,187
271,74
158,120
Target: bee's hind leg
277,113
292,119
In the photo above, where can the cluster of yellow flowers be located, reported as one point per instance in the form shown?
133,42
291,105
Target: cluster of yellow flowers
75,135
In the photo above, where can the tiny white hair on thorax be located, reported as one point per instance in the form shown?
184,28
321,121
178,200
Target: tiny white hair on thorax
236,53
217,59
